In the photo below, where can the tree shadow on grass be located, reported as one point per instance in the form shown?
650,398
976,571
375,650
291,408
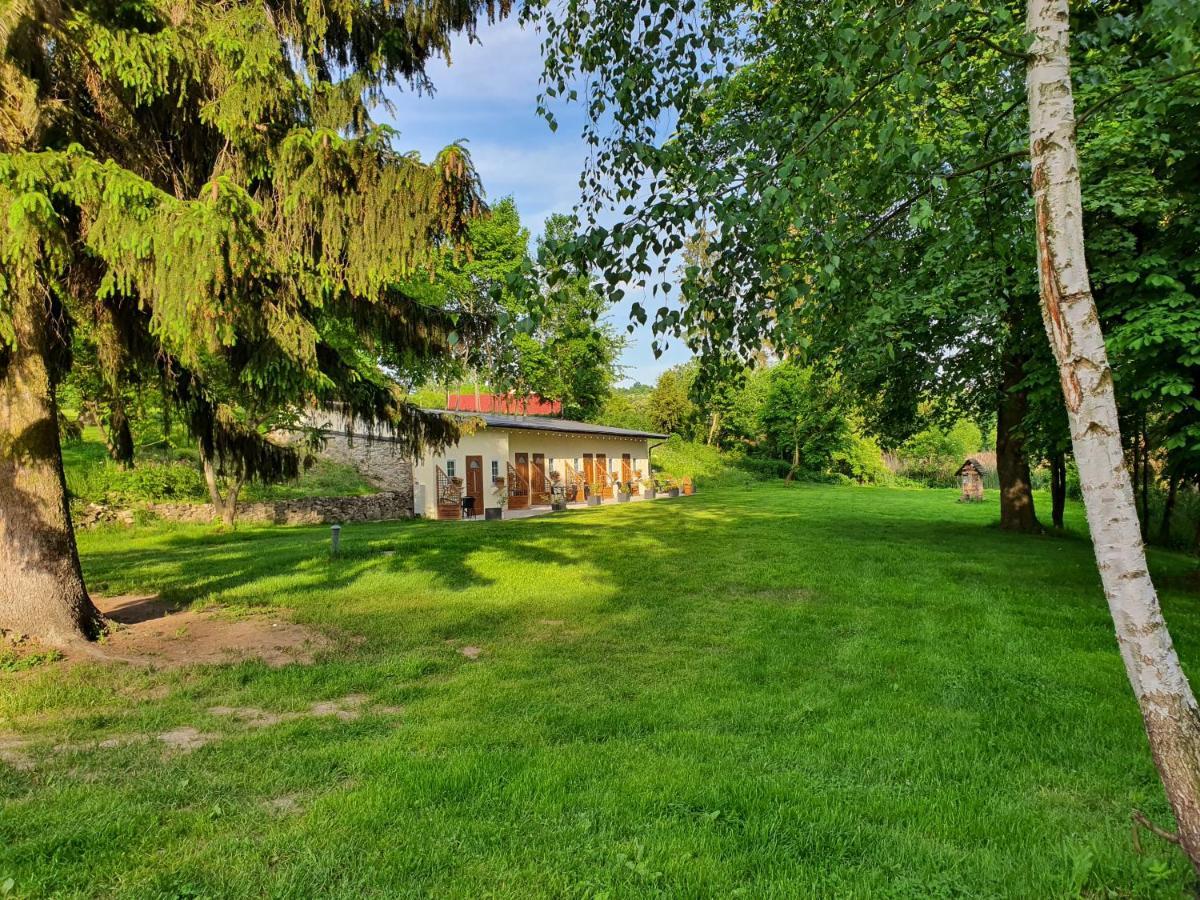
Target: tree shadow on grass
666,555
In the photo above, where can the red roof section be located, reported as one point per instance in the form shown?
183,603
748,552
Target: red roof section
530,405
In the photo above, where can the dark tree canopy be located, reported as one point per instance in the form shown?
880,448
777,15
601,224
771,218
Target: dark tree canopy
203,186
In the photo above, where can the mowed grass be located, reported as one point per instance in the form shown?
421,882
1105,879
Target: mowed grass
766,692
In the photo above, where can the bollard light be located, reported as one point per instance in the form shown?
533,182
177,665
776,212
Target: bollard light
335,536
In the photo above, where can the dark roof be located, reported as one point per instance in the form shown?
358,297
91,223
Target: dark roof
546,423
973,464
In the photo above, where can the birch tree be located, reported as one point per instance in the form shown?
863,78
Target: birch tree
799,135
1073,326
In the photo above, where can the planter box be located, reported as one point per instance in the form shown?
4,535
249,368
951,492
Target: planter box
623,498
558,505
673,492
493,512
593,501
649,494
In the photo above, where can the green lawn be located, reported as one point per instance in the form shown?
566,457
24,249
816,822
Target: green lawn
767,692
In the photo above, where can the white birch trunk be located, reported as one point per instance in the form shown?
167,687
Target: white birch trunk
1069,312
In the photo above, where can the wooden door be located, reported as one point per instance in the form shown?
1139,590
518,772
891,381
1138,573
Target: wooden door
627,473
474,486
539,484
449,496
589,473
518,491
602,474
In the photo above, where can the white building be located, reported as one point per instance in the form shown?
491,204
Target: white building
501,461
526,461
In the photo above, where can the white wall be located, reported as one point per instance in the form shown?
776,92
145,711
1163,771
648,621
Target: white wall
490,443
501,445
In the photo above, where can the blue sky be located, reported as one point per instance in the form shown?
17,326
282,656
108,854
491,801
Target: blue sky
487,97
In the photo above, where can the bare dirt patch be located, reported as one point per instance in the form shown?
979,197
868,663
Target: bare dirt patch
12,753
286,805
186,739
345,708
151,631
471,652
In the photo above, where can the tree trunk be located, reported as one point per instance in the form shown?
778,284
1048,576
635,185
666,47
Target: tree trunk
1012,464
1058,488
1069,312
714,428
1135,464
120,436
42,591
225,507
795,463
1164,527
1145,481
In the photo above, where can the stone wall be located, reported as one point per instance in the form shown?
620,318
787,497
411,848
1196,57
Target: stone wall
379,461
304,511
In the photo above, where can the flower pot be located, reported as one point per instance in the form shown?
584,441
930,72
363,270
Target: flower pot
623,498
673,492
493,512
558,505
593,500
649,493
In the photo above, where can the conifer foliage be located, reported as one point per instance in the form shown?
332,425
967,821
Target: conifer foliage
201,185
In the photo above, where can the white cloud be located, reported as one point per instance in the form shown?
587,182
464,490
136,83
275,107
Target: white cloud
488,96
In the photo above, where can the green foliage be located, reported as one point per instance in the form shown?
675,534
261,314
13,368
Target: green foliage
571,355
854,186
933,455
861,460
627,409
804,418
681,458
153,481
671,408
164,474
14,661
202,189
553,341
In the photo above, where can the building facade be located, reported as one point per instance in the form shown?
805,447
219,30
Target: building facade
521,462
512,462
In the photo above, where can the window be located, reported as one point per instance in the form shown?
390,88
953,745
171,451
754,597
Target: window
449,468
495,469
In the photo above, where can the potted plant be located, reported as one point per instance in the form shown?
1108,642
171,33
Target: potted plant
648,488
501,499
624,491
558,494
594,495
672,488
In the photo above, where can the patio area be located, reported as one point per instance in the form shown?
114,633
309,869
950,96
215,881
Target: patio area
684,489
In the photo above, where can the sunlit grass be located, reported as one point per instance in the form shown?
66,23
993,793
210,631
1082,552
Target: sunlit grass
779,691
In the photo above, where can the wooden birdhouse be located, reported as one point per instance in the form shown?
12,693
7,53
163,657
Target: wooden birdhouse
970,476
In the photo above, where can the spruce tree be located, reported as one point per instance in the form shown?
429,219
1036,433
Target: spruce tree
203,186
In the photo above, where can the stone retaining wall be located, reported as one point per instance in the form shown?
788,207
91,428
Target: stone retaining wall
305,511
378,460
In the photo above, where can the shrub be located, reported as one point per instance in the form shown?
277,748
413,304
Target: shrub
107,482
762,468
686,459
861,461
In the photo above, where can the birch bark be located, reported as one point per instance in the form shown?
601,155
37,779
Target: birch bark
1069,312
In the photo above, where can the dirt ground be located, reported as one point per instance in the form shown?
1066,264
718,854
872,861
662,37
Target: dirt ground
149,631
